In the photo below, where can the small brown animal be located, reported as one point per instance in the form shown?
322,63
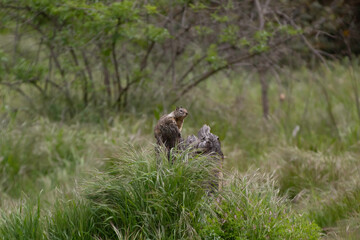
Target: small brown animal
168,129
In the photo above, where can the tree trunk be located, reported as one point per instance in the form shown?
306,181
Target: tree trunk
107,82
90,76
83,75
264,95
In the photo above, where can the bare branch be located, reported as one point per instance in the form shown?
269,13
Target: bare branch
261,14
191,68
211,72
144,61
15,87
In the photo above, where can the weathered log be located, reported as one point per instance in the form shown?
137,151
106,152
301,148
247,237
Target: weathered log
205,142
209,145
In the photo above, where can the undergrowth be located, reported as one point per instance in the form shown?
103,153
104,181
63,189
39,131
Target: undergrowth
139,197
309,144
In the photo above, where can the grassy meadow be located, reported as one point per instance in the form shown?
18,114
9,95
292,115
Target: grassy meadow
94,176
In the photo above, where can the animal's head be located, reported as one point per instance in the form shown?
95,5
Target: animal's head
180,113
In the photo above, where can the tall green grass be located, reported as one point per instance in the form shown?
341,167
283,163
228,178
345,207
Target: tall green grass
325,186
298,171
42,155
251,208
151,201
139,197
24,223
33,151
316,168
329,212
71,219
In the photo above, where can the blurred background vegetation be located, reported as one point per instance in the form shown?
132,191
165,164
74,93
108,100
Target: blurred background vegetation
84,81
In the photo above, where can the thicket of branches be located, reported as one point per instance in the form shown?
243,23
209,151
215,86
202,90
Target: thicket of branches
99,53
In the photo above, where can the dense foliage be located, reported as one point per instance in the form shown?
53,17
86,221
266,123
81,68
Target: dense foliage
107,53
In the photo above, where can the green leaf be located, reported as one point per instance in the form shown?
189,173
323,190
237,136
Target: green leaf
151,9
125,11
218,18
259,48
157,34
262,35
244,42
197,6
229,35
203,30
213,58
288,29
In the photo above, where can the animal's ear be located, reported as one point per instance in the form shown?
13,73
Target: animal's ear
177,108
